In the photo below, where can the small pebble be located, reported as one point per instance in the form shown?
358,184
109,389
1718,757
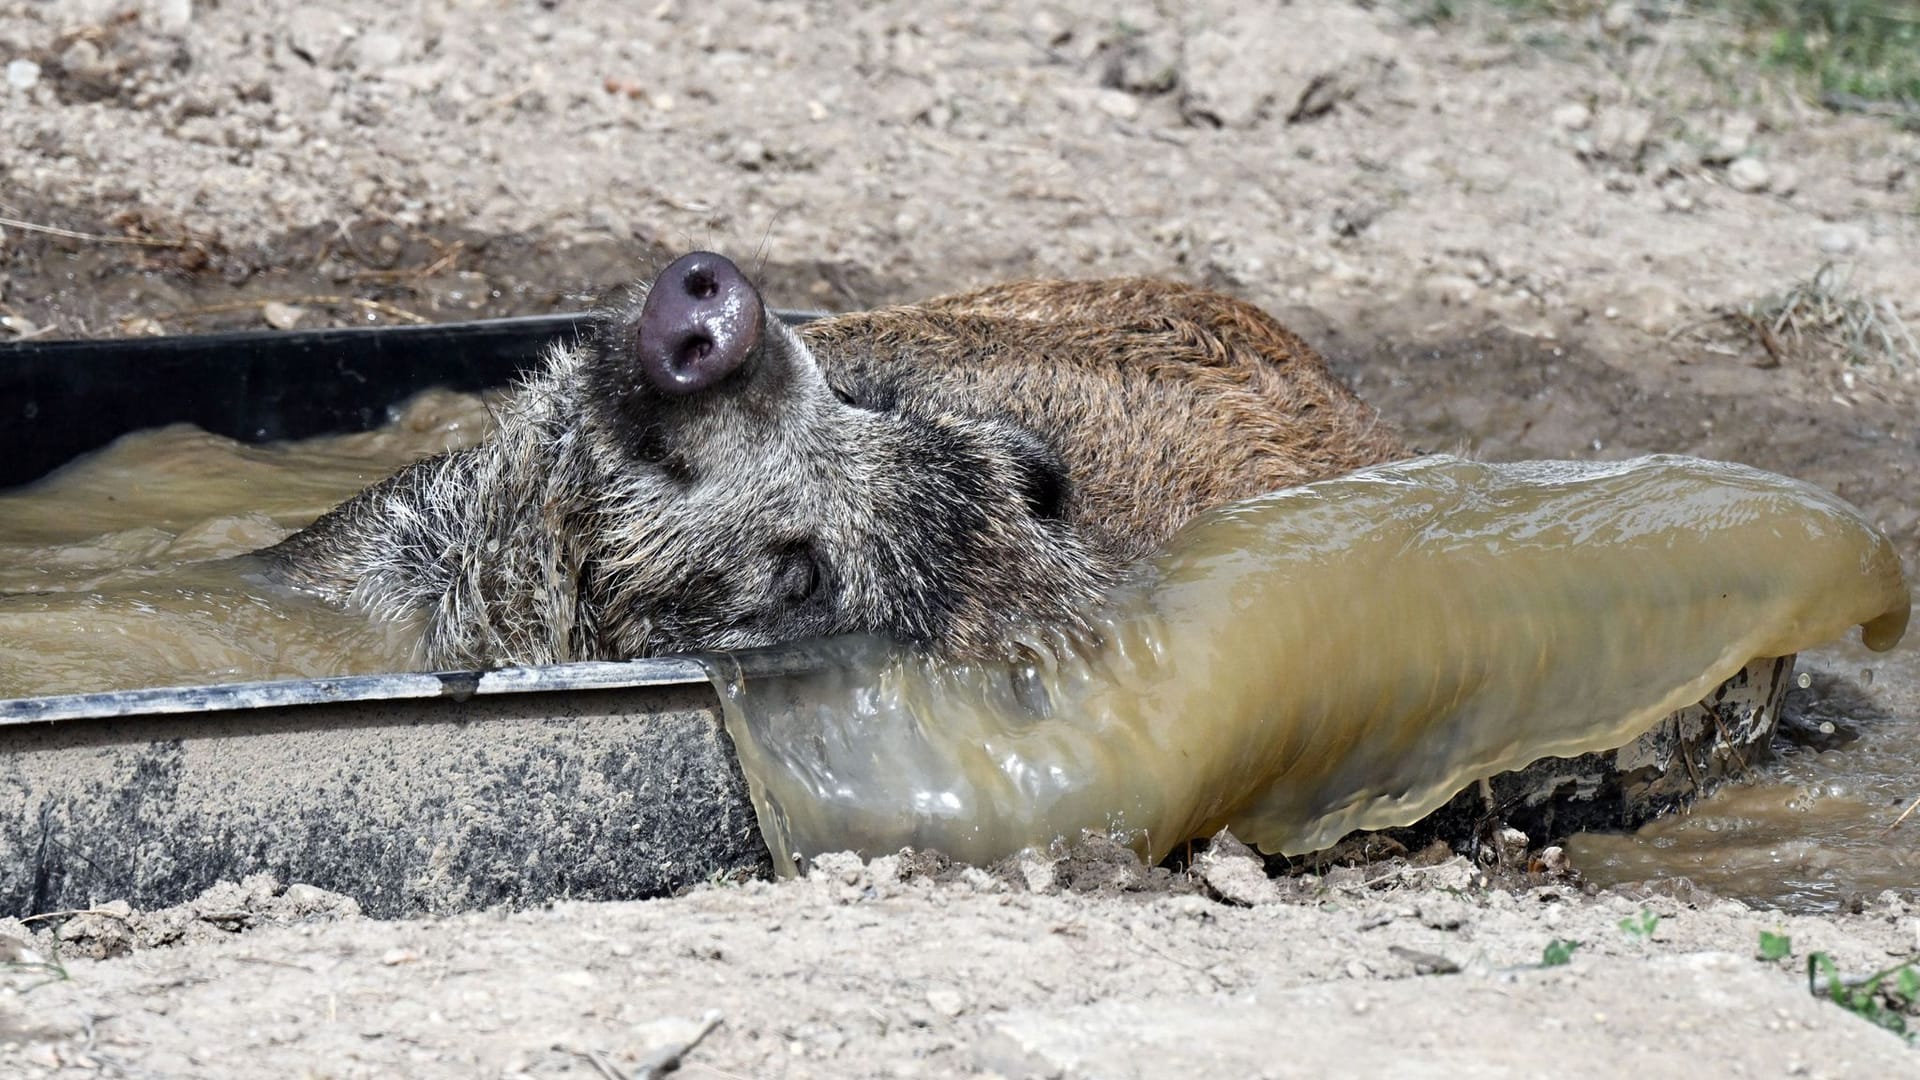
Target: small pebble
1553,860
281,316
1572,117
1621,133
1117,104
170,16
1748,175
377,51
1736,135
1840,240
22,74
83,60
946,1001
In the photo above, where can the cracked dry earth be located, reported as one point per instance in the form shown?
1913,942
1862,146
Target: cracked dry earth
1528,239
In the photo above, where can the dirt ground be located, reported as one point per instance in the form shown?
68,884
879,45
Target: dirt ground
1086,968
1525,238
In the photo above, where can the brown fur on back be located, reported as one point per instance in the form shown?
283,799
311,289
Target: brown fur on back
1164,399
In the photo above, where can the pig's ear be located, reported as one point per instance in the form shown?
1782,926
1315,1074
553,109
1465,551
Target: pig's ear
1044,482
1037,470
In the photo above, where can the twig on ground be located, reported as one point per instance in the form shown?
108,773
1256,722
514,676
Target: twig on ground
1775,355
97,238
386,309
1891,110
667,1058
72,912
268,961
602,1066
659,1063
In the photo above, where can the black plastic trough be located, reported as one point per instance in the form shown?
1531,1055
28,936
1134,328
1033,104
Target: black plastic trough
64,398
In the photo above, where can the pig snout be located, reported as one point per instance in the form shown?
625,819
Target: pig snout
701,320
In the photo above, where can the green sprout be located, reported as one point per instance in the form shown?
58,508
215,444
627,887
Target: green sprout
1640,926
1557,952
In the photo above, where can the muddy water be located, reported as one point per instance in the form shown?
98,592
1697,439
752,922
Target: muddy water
130,567
1341,656
1815,829
1812,830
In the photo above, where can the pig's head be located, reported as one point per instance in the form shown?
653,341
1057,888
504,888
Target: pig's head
754,495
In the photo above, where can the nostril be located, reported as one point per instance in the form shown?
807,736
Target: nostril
696,348
700,284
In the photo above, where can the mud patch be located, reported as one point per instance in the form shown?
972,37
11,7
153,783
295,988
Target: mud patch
139,277
1507,397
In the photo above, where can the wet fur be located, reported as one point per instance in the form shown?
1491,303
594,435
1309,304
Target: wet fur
943,472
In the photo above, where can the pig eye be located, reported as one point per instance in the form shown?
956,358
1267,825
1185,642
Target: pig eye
875,399
797,575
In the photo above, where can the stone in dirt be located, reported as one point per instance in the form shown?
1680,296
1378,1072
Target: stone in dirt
1238,70
1749,175
1235,872
22,74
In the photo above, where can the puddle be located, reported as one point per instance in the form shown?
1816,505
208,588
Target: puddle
1814,830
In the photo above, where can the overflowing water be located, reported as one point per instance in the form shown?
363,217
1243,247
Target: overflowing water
1345,655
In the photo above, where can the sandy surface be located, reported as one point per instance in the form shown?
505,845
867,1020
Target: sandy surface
1089,968
1516,238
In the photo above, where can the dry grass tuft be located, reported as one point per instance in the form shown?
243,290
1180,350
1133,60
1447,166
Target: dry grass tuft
1822,319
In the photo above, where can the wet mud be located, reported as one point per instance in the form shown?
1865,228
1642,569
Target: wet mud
143,280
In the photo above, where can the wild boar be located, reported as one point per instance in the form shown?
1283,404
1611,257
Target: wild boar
694,474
